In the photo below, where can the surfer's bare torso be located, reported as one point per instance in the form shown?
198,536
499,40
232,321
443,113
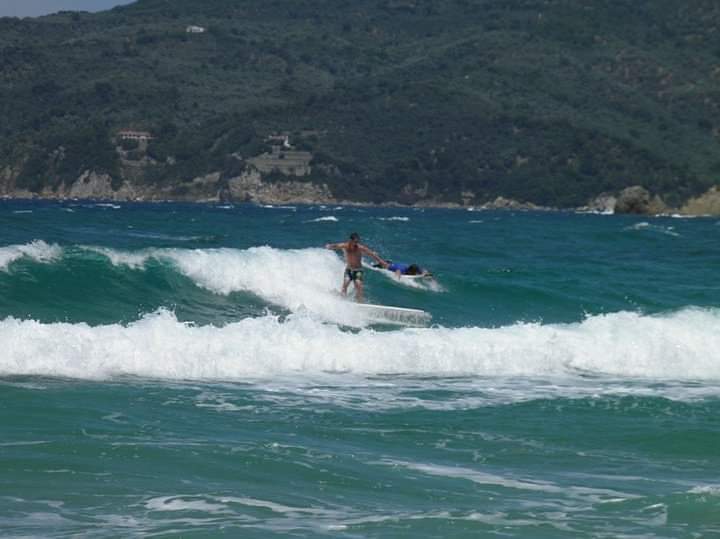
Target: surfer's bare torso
354,251
353,254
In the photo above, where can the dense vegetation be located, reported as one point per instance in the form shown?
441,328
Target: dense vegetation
549,101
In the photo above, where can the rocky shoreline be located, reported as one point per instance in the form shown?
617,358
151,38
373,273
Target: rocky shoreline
638,200
250,187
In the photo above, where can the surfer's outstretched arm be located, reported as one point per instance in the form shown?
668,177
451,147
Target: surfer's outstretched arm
334,246
372,254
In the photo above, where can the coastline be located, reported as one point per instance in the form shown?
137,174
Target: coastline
250,187
519,207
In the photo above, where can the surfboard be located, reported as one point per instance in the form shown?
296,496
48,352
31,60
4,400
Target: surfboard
405,276
394,275
403,316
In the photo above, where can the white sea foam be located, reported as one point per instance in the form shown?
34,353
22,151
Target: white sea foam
425,283
272,207
667,230
328,219
103,205
218,505
401,219
280,508
713,490
596,212
167,237
135,260
37,250
681,346
304,280
485,478
185,503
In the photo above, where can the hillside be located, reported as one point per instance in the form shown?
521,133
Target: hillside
547,101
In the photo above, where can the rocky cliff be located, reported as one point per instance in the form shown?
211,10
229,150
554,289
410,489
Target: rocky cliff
247,187
250,187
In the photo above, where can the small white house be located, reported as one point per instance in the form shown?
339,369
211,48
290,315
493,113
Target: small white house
194,29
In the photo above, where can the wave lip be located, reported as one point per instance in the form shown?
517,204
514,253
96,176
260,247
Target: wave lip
37,250
133,260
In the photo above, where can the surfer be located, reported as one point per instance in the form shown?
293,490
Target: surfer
354,251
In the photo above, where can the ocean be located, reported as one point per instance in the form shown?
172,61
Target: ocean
179,370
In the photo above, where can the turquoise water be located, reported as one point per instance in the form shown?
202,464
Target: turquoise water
189,370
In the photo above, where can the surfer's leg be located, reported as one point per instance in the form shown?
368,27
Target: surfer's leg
358,290
346,282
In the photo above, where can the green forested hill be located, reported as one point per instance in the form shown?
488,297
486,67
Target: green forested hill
549,101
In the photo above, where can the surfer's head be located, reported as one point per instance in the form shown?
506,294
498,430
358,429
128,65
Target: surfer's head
355,237
413,269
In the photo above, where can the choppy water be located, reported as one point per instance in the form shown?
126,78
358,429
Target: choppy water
179,370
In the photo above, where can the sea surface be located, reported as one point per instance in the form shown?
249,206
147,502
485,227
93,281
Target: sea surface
172,370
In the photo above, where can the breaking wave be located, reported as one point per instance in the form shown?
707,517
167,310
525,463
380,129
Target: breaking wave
37,250
680,346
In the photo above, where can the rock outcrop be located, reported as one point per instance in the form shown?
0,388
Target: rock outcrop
7,180
603,203
638,200
502,203
250,187
89,185
94,185
706,204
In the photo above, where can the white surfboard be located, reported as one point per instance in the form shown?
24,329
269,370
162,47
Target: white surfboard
403,316
404,276
394,275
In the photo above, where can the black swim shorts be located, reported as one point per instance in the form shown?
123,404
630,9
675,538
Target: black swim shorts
354,274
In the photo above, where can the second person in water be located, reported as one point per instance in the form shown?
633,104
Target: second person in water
401,269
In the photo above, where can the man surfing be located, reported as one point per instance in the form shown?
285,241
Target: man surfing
354,251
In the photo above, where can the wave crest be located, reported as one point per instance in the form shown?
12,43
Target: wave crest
36,250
